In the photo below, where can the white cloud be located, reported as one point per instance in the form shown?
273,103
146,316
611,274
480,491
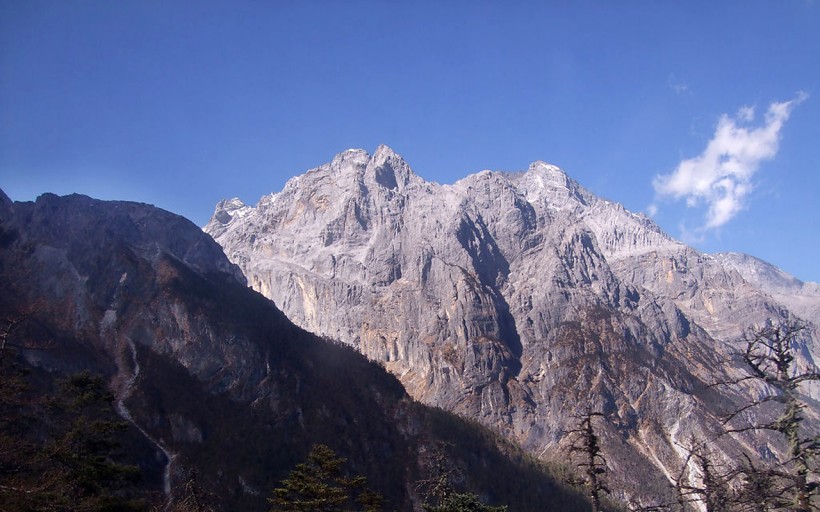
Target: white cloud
721,176
746,114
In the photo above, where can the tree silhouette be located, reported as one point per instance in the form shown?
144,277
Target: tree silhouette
319,485
86,452
593,464
22,485
462,502
769,358
63,453
193,497
440,490
710,486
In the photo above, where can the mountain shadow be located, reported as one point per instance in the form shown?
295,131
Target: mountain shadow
207,376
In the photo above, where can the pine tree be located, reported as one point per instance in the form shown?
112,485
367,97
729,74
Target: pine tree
86,451
59,453
466,502
62,454
22,484
319,485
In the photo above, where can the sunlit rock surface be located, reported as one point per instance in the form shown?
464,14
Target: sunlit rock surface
517,299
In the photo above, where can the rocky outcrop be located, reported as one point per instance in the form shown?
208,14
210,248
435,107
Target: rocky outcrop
799,297
518,299
211,376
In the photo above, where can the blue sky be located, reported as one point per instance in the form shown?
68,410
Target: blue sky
705,114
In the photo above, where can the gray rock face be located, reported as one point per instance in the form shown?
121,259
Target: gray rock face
515,299
209,375
799,297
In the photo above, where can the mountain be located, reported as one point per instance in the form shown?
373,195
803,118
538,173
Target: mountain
519,300
802,298
215,385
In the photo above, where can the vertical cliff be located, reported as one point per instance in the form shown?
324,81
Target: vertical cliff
516,299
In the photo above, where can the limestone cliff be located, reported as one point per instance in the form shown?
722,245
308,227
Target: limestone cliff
518,299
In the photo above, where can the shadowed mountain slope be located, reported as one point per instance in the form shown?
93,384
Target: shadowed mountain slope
212,379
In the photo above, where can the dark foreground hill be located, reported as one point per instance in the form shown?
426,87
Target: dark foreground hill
133,349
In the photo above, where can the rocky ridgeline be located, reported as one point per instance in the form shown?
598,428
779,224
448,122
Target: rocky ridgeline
517,299
212,380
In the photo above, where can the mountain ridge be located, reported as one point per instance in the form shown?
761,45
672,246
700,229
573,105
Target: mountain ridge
505,297
212,378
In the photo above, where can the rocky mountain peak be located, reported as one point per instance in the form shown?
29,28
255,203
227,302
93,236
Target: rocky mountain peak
350,158
544,168
549,185
384,169
507,297
384,153
388,169
228,208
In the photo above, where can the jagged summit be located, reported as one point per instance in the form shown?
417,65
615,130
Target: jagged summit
384,152
389,169
356,185
548,171
384,168
349,157
510,298
227,208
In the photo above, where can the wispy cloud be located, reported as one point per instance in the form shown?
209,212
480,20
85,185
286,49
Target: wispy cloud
721,176
676,85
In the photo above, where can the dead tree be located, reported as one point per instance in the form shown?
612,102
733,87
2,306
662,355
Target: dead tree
439,485
706,483
769,357
593,464
9,325
13,336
